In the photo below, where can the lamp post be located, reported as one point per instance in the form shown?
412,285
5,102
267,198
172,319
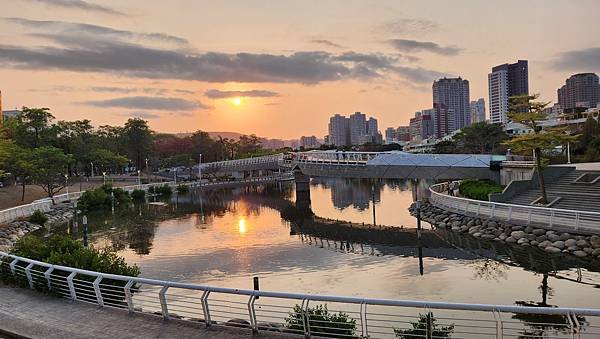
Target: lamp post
103,178
200,169
568,152
67,185
92,164
139,182
147,169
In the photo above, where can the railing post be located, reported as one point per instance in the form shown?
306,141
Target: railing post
71,286
478,208
576,220
128,297
499,326
28,274
163,302
305,318
47,276
12,265
529,217
204,300
363,320
97,291
551,217
509,213
252,314
493,210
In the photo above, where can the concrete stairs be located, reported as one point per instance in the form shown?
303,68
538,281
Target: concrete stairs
573,196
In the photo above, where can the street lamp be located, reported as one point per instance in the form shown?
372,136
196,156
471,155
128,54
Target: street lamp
92,164
200,169
103,178
67,185
147,170
139,182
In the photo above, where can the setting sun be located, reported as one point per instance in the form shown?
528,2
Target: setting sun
237,101
242,226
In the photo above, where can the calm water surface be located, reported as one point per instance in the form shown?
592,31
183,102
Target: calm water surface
226,237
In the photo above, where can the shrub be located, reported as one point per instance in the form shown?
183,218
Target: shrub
478,189
138,195
102,197
421,326
183,188
65,251
161,190
322,322
38,217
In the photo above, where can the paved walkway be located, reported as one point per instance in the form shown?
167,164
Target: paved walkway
25,313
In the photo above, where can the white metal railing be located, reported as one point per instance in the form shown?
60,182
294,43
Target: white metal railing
45,204
338,158
545,217
272,311
275,158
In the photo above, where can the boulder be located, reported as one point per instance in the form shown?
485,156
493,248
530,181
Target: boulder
518,234
523,241
582,243
442,225
551,249
595,241
510,240
565,236
539,232
596,252
544,243
552,237
559,244
580,254
570,242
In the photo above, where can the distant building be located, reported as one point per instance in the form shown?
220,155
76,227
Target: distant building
403,133
477,111
421,126
579,91
441,123
354,130
309,142
390,135
451,97
339,130
7,114
503,82
358,127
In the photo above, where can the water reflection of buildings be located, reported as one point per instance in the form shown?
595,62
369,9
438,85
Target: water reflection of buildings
351,192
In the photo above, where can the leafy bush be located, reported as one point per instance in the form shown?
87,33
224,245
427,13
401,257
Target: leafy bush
102,197
478,189
182,188
161,190
65,251
138,195
322,322
426,323
38,217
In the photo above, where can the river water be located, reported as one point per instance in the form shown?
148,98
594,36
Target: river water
227,237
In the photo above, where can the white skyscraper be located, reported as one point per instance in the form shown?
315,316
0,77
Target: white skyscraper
339,130
498,89
358,128
477,111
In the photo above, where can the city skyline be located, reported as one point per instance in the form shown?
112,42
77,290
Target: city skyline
232,71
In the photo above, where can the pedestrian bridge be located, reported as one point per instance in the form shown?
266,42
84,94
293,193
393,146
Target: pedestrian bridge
394,164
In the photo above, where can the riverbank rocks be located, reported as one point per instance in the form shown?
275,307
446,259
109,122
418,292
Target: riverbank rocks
550,241
13,231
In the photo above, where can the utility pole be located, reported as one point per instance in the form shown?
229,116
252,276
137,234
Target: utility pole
373,198
200,169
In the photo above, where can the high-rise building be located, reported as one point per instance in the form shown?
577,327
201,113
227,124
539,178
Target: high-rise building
358,128
309,142
372,129
403,133
339,130
390,135
477,111
441,120
579,91
503,82
452,94
421,126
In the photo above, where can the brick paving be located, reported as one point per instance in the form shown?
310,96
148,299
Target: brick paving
30,314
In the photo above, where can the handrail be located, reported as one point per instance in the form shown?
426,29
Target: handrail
385,316
546,217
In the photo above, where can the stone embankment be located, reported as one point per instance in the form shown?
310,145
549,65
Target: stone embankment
548,240
13,231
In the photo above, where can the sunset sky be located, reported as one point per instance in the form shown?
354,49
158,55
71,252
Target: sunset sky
277,68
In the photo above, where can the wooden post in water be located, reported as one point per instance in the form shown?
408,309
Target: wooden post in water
373,198
256,285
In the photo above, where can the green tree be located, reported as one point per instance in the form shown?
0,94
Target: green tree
106,160
138,138
75,137
525,110
33,125
321,322
481,138
20,165
49,166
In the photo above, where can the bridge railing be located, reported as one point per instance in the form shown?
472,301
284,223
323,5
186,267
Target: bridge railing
275,158
295,312
45,204
544,217
338,158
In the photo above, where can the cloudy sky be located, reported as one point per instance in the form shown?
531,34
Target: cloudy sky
277,68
